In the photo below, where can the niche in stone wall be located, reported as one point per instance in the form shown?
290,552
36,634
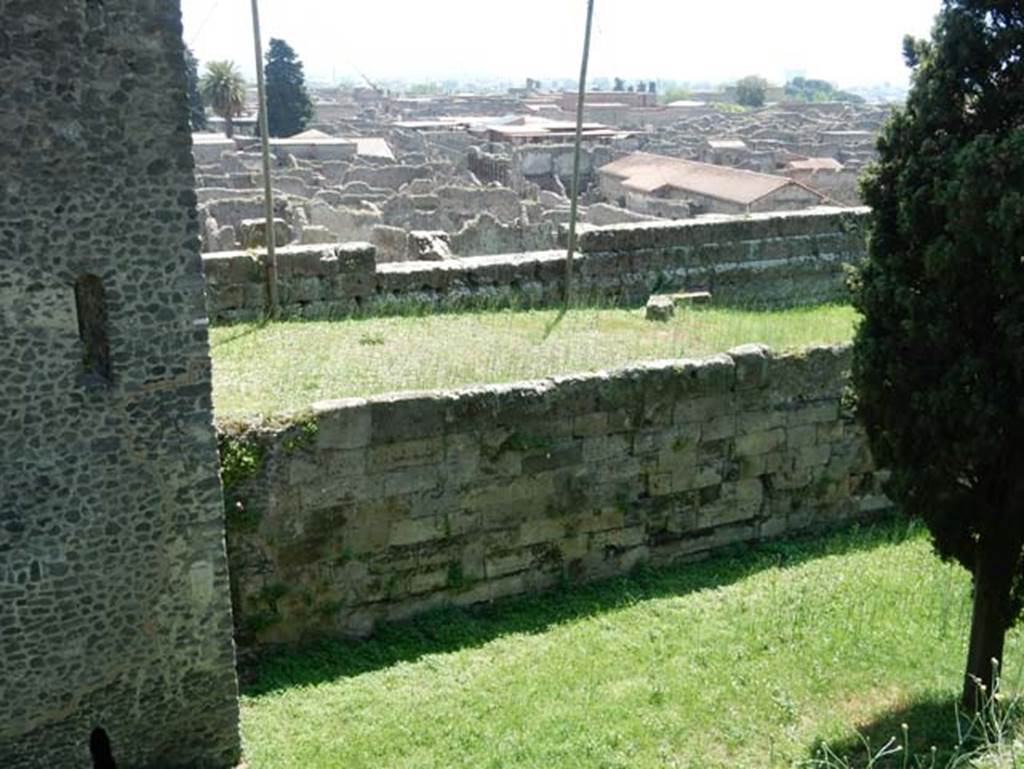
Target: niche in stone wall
91,306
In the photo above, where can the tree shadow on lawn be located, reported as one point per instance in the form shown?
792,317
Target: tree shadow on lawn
450,630
931,722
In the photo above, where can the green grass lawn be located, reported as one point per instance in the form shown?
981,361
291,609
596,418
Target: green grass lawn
286,366
743,661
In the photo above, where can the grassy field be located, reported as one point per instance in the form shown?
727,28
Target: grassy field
745,661
286,366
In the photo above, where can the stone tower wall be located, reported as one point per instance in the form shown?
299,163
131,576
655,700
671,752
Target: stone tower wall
114,607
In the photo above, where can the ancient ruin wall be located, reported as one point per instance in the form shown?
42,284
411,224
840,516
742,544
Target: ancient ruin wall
380,509
114,607
775,258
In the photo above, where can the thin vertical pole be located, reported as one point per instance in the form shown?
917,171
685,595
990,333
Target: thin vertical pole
577,151
268,190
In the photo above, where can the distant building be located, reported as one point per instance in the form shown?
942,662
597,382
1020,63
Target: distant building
208,147
828,176
244,125
725,152
315,145
568,100
365,146
814,164
529,129
639,181
517,129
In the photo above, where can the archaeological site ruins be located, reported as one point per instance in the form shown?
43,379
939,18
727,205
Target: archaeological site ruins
135,570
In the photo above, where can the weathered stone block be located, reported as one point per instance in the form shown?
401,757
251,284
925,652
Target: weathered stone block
717,428
699,409
813,456
391,456
760,420
406,416
542,530
429,581
253,233
628,537
588,425
737,501
716,374
761,442
814,413
751,365
554,458
802,436
598,449
410,480
660,308
415,531
508,563
342,424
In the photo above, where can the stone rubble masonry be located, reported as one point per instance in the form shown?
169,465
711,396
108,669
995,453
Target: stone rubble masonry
776,258
114,605
377,509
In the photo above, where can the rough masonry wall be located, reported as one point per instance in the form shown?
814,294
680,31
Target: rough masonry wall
114,605
777,258
380,509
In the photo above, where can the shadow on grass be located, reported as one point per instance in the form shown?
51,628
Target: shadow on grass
407,308
550,326
931,723
241,331
450,630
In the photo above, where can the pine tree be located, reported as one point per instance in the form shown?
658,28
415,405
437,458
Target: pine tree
939,356
289,108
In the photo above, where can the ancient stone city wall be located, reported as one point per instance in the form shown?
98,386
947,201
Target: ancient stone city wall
380,509
762,258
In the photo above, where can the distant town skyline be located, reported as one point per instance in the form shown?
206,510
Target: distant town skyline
847,43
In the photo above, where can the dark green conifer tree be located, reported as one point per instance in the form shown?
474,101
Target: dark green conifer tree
939,356
196,109
289,107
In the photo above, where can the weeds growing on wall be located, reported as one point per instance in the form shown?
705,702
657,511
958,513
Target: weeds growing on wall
241,458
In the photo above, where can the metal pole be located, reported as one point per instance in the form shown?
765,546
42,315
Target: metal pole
574,202
268,190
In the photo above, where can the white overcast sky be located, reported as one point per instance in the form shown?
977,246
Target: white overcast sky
851,42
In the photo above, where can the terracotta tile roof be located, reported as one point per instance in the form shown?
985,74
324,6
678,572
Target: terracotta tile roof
647,173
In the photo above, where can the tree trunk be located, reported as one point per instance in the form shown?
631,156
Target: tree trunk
229,127
996,562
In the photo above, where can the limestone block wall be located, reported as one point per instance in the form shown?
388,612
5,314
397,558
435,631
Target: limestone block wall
762,258
115,616
379,509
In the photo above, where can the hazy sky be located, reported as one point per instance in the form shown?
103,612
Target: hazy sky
852,42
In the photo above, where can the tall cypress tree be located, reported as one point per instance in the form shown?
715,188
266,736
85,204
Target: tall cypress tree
939,356
196,110
289,108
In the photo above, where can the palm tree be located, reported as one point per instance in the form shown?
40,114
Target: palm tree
223,89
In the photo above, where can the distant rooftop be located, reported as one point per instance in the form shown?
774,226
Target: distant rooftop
648,173
211,138
727,144
512,127
815,164
365,146
372,147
